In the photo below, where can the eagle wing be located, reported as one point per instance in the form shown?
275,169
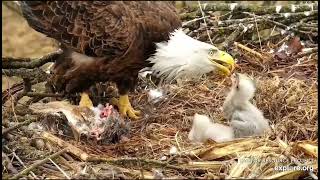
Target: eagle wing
98,28
102,40
101,28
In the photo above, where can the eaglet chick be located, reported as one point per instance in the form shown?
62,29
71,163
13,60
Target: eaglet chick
245,118
203,129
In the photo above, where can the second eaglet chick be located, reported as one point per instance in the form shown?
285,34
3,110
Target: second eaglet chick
245,118
203,129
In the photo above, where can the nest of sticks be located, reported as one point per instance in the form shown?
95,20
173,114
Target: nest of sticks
284,66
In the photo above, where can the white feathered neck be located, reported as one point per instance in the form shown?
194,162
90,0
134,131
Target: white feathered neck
245,91
181,57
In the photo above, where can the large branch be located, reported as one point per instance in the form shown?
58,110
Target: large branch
258,9
31,74
281,17
233,37
283,26
16,63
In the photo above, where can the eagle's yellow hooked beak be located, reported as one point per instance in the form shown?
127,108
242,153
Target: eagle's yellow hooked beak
222,61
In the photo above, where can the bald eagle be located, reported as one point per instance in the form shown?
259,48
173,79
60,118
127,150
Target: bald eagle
113,40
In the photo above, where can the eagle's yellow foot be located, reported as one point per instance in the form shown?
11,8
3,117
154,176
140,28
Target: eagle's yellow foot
85,101
125,107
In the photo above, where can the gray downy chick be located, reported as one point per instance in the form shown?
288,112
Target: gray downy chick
245,118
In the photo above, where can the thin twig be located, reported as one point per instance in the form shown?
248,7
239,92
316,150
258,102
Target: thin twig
12,101
176,139
205,22
7,163
39,163
21,162
249,50
61,170
255,20
310,51
194,20
43,95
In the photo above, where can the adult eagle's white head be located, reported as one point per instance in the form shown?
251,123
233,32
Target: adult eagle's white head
184,57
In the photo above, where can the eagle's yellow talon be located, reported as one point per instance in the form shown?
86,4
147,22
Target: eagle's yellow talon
114,102
125,108
131,114
136,112
85,101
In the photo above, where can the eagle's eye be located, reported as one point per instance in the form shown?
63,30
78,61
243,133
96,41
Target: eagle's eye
211,52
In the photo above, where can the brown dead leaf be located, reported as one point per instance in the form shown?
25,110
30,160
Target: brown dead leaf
281,55
295,46
287,50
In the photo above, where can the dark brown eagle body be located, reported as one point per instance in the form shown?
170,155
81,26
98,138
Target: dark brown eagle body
102,40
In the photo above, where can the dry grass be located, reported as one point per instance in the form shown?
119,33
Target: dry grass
290,104
287,94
